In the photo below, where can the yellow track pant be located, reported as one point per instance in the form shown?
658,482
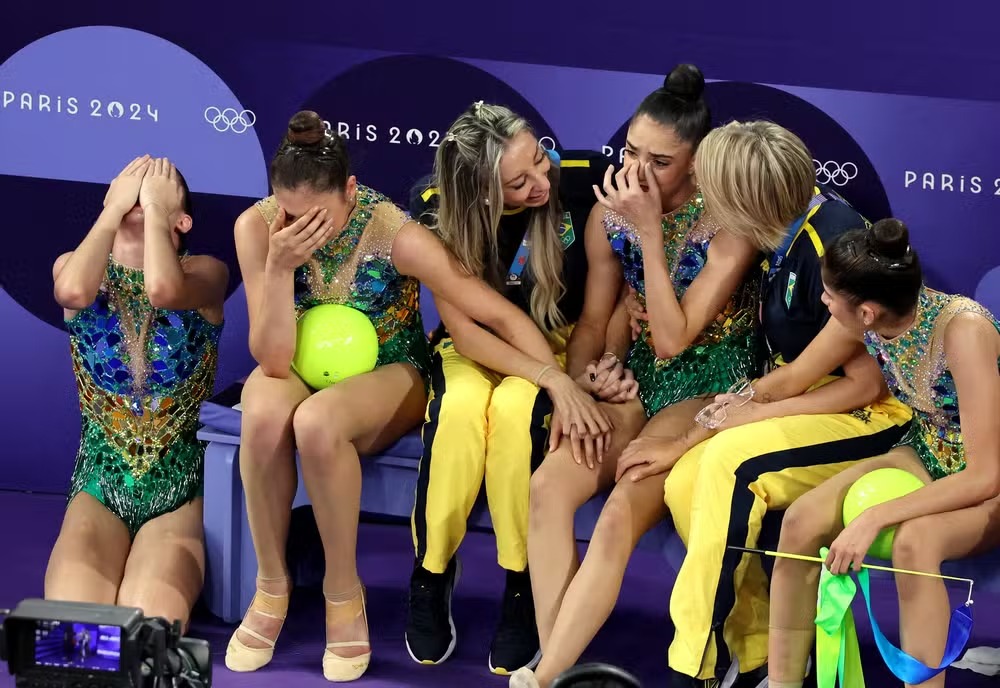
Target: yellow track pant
478,424
718,494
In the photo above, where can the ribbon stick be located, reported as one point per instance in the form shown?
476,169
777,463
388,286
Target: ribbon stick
837,653
873,567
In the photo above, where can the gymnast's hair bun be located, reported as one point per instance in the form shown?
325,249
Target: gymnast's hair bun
306,128
685,82
890,238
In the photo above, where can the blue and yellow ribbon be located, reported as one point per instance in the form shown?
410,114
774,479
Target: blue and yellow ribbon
838,656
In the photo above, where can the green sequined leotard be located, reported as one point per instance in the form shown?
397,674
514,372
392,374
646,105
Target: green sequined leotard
725,351
141,373
355,269
915,368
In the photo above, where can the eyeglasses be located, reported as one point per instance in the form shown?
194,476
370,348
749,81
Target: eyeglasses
714,415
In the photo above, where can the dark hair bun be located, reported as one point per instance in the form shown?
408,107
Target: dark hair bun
890,238
685,82
306,128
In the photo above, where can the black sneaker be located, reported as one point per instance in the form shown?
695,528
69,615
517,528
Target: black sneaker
430,630
515,641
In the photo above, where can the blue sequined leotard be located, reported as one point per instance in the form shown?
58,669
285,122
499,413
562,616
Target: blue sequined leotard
916,370
355,269
141,373
725,351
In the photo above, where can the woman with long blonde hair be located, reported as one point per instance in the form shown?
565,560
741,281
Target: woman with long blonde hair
513,214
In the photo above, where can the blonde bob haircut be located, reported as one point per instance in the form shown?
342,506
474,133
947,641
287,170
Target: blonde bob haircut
756,179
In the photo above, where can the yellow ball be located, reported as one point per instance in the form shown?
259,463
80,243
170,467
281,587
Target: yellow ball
333,342
877,487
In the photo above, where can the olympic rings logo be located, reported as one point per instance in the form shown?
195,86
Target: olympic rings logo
832,172
230,119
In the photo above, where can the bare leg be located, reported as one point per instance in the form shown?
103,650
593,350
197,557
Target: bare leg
267,467
811,522
88,559
360,415
921,545
558,488
631,510
166,568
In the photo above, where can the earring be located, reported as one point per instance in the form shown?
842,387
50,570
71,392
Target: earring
487,201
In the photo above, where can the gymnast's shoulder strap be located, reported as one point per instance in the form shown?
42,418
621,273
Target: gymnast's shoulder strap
268,208
386,219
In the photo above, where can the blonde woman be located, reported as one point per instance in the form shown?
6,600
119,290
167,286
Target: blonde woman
513,214
695,275
823,407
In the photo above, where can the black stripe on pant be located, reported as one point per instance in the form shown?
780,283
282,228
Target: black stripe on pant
424,468
851,449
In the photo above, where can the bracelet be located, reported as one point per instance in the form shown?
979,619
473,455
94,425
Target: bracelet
542,372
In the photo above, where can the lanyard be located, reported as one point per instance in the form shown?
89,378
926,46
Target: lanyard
793,232
524,250
520,260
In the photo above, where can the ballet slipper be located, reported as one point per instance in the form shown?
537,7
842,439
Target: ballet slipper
240,656
523,678
340,610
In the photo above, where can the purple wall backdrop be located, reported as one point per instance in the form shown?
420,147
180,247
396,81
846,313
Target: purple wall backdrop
899,120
